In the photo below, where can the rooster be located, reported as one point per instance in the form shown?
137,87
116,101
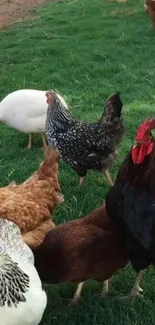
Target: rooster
131,201
85,146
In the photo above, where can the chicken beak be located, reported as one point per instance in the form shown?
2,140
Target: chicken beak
135,144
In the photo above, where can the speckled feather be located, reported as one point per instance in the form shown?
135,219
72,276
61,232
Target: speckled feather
85,146
13,281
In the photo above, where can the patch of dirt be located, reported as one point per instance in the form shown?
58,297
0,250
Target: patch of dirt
14,10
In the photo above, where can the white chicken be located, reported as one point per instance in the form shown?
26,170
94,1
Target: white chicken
22,299
25,110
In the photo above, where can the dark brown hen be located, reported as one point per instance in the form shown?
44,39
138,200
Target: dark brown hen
87,248
85,146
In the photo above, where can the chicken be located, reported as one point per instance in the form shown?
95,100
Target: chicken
30,205
150,8
87,248
131,201
22,299
85,146
25,110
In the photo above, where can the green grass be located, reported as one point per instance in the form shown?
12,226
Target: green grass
86,50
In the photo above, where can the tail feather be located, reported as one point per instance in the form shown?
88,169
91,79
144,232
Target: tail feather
111,122
114,102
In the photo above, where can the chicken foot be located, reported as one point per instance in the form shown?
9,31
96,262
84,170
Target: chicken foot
107,173
136,290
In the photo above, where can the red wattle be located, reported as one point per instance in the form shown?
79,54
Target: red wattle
140,152
150,148
138,155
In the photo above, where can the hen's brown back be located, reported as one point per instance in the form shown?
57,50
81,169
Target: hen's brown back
91,247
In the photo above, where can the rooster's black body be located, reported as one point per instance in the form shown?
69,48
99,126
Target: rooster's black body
131,203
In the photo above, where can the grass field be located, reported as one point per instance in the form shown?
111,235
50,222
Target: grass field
86,50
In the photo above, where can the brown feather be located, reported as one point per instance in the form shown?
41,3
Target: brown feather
32,203
87,248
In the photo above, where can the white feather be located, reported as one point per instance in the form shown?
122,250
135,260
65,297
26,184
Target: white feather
25,110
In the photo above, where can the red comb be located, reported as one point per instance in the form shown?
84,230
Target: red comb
146,126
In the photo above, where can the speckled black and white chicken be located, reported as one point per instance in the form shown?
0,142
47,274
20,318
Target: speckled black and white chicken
85,146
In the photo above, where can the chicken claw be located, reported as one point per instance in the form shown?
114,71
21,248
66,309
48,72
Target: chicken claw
136,291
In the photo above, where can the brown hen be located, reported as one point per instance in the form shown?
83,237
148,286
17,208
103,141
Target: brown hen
88,248
31,203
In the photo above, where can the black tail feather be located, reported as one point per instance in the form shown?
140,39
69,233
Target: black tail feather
116,102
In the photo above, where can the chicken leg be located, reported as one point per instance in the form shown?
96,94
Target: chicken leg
30,141
78,291
105,288
82,179
77,294
136,290
44,141
107,173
